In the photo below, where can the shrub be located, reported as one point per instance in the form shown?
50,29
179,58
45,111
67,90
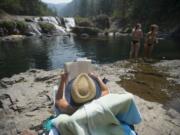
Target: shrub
47,27
22,26
116,14
102,21
88,30
9,26
85,22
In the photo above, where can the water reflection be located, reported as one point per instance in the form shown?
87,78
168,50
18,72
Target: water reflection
51,52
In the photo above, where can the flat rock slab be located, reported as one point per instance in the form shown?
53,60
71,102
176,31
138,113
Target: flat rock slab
26,99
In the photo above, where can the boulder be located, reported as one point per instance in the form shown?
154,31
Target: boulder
29,20
91,31
30,34
84,35
102,21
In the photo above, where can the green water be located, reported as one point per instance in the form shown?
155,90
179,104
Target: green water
51,52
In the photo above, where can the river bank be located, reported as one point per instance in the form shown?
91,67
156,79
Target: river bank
26,99
100,26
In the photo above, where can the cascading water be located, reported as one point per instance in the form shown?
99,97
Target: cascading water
55,21
50,19
59,29
69,23
34,27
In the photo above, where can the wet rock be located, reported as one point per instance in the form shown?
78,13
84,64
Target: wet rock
91,31
33,71
28,19
102,21
30,34
84,35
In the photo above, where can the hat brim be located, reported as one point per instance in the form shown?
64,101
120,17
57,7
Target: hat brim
69,88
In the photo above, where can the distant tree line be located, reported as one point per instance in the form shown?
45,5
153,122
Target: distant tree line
25,7
146,11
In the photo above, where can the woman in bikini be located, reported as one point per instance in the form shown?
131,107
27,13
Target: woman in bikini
137,34
150,40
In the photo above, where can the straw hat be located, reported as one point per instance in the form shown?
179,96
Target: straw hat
82,89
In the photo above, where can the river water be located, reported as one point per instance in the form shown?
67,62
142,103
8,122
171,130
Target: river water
51,52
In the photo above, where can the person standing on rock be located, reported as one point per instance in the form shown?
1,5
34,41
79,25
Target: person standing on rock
150,40
137,35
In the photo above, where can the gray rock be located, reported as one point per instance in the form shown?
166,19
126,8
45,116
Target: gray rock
3,85
84,35
27,102
44,77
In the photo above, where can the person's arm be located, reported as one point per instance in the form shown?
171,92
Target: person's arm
61,102
146,38
141,35
156,41
133,33
104,88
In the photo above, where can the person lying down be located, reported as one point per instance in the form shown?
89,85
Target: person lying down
89,109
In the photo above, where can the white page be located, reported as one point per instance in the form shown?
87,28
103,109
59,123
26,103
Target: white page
77,67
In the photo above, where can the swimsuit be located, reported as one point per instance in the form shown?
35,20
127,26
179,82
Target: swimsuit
149,44
135,41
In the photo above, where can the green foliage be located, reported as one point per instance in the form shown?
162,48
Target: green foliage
83,21
102,21
8,25
22,26
86,30
2,12
25,7
47,27
116,14
162,12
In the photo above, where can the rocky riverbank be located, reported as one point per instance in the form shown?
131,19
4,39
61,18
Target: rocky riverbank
26,99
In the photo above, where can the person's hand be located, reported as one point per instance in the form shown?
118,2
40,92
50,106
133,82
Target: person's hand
94,75
64,77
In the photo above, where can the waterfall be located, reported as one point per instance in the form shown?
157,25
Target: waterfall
55,21
34,27
59,29
69,23
48,19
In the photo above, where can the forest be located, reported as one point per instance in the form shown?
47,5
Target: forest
162,12
25,7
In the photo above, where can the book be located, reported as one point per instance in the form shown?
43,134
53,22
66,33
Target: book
81,65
